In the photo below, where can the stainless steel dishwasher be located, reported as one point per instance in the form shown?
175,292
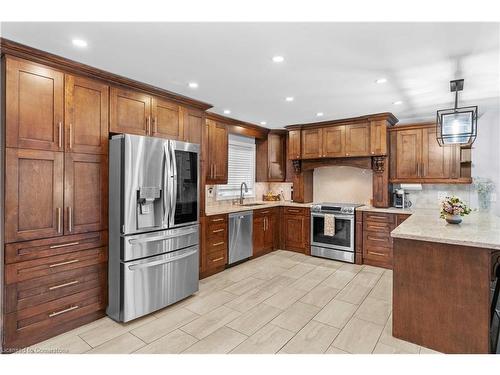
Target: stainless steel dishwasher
240,236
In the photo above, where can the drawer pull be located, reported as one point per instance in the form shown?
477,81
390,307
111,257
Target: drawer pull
375,227
218,243
216,260
64,245
377,239
63,263
63,285
56,313
218,231
264,212
375,253
214,220
293,210
377,217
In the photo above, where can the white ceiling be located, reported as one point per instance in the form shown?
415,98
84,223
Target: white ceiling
328,67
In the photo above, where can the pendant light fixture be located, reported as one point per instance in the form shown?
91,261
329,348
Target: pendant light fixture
457,125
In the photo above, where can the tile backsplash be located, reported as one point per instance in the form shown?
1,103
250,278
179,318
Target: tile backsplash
431,195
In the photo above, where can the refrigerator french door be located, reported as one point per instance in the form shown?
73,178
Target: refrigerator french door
153,224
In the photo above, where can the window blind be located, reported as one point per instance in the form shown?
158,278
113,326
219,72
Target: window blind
241,167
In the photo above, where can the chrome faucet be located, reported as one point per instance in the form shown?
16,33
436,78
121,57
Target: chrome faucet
241,191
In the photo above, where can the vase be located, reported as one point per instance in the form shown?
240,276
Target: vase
484,200
453,219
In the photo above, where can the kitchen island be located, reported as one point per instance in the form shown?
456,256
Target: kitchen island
442,281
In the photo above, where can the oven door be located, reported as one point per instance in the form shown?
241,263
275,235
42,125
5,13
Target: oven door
344,232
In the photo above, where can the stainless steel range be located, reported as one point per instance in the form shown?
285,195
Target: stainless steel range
153,224
336,239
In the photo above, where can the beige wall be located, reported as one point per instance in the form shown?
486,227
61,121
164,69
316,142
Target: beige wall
342,185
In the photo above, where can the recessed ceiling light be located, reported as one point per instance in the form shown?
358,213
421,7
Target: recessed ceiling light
289,98
319,114
263,123
381,80
278,59
397,102
79,43
227,111
193,85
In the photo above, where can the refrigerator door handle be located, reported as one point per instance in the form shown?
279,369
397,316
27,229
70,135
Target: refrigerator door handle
173,187
135,241
163,261
166,192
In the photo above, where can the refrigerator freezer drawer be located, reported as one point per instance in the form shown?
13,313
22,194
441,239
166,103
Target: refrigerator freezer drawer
155,243
153,283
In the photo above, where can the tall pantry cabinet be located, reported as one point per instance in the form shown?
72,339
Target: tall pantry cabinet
55,252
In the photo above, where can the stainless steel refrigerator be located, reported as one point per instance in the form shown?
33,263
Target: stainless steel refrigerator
153,224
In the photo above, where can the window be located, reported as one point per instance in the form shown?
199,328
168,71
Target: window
241,168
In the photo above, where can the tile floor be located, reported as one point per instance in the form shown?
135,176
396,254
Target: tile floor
283,302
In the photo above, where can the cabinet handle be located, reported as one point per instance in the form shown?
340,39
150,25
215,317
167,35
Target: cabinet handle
56,313
148,130
376,239
63,285
218,231
64,263
215,220
216,260
215,170
218,243
63,245
293,210
70,219
59,221
60,133
423,169
377,217
155,124
70,136
375,253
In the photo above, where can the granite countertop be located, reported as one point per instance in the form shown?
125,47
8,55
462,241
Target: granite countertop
477,229
389,210
260,204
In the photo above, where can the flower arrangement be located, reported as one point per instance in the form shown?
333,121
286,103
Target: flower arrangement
453,206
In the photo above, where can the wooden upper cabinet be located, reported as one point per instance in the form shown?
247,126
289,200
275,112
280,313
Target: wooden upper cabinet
85,193
294,144
357,139
34,106
312,144
130,112
408,150
378,137
217,153
193,125
437,161
86,115
333,141
167,120
276,157
33,194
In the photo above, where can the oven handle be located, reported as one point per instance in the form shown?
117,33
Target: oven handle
345,217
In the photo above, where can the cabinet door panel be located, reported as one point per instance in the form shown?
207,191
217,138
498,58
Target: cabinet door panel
378,137
167,120
130,112
193,122
86,120
294,143
33,194
334,141
296,233
34,106
311,147
85,193
437,161
357,140
408,149
217,153
258,235
276,161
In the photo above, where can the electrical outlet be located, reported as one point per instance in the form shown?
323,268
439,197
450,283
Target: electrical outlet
210,192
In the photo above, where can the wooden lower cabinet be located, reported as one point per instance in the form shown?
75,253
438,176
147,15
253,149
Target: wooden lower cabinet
265,231
214,244
377,242
296,229
52,286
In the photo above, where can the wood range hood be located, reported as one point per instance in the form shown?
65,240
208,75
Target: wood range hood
360,142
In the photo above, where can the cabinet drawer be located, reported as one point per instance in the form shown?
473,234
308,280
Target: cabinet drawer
379,217
38,291
377,227
378,254
296,211
216,259
216,245
217,219
264,212
216,229
36,323
377,240
32,269
22,251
